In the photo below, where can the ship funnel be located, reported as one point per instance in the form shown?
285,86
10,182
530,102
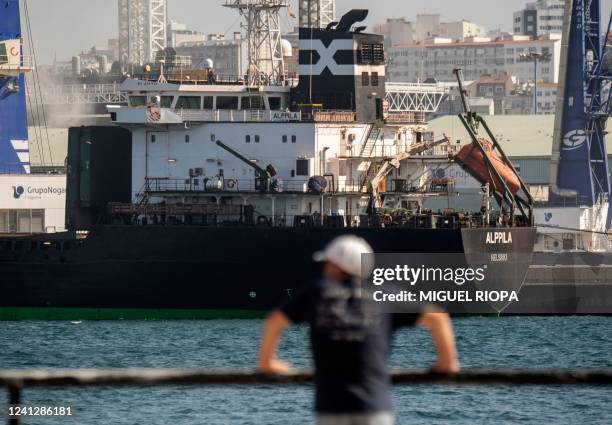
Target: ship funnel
351,18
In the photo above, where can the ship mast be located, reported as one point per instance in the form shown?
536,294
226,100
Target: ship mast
263,32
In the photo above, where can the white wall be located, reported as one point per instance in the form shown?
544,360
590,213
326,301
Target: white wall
39,192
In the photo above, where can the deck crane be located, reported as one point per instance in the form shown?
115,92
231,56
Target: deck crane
263,176
390,164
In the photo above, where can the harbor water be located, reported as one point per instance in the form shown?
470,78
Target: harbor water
483,342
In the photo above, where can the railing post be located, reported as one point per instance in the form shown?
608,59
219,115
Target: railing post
14,399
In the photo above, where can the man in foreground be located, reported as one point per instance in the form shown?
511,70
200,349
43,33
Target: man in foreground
350,341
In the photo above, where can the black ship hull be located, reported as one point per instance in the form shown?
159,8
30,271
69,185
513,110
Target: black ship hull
190,271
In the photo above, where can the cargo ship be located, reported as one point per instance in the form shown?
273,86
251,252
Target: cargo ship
210,194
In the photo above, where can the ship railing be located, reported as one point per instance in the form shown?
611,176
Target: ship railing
560,202
83,94
335,185
175,209
238,214
406,117
18,380
187,78
329,115
263,115
237,115
381,150
12,63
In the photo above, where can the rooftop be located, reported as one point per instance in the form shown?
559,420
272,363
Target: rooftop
519,135
544,39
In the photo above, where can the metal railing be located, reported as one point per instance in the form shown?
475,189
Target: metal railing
236,115
16,381
75,94
187,78
335,186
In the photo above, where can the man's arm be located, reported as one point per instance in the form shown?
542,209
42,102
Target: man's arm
274,326
439,326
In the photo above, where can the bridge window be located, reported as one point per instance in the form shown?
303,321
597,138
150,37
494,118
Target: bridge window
275,103
136,101
227,102
208,102
252,102
166,101
188,102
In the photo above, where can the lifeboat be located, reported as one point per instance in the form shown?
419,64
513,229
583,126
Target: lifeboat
472,160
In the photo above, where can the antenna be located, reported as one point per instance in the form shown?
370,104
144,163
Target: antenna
263,33
142,29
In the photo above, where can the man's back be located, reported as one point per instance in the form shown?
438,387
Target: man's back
350,343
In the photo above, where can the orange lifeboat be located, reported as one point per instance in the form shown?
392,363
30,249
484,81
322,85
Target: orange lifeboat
472,160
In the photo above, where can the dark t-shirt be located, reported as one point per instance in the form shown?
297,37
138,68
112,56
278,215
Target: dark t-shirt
350,341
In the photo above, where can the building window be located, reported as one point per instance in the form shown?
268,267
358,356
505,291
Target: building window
301,167
293,139
247,138
284,138
365,79
187,139
257,139
153,138
22,221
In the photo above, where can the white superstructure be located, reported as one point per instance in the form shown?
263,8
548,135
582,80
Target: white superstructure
176,159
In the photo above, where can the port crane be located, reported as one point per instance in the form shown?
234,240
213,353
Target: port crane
579,163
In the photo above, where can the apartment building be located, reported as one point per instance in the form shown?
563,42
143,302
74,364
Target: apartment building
539,18
439,57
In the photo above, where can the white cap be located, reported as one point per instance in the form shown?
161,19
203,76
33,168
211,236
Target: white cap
345,252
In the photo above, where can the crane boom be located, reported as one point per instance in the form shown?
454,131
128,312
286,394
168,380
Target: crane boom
394,163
